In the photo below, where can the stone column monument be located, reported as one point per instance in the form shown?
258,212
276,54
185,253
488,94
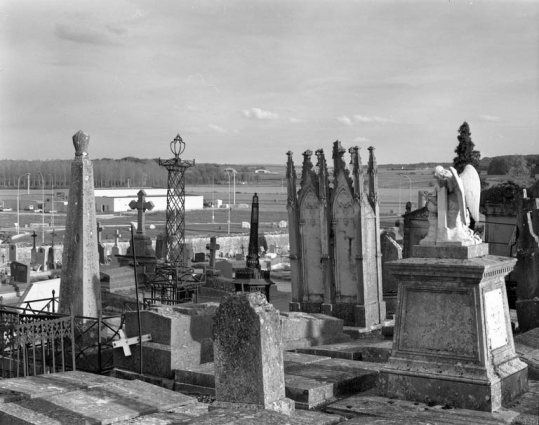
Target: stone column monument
79,283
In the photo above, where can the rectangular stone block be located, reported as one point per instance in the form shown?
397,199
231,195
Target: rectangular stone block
450,251
173,326
161,360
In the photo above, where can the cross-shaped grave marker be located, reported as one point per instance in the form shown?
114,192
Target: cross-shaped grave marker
53,234
212,246
141,206
117,236
125,342
34,236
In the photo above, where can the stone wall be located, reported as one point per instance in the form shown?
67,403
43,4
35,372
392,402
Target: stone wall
229,244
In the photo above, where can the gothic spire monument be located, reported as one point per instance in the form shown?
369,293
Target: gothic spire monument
79,282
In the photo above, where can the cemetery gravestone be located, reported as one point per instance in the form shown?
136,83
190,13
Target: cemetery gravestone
51,260
41,259
160,245
115,250
213,246
20,272
33,252
200,257
272,249
225,267
12,252
248,355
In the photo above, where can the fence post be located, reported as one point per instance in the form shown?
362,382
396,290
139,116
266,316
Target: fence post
99,320
53,300
73,354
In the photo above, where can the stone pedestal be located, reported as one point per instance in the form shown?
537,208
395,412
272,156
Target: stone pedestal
453,342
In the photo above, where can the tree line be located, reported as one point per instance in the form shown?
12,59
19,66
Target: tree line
125,172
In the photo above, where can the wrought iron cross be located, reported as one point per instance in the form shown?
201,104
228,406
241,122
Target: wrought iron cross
141,206
34,236
212,247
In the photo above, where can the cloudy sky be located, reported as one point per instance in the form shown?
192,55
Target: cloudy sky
245,81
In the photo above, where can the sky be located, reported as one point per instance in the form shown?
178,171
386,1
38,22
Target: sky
245,81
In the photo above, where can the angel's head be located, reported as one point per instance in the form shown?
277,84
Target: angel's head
441,174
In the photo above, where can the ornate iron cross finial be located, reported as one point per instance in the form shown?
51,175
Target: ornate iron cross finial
141,206
177,146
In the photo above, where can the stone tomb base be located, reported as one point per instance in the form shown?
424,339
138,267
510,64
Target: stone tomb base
453,343
352,314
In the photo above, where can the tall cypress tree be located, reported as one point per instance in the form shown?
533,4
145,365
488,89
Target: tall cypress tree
465,150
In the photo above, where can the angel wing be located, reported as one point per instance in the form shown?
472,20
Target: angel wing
459,191
472,190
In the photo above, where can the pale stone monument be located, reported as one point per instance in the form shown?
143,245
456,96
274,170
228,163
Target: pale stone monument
79,285
248,355
12,252
453,342
334,234
213,247
115,250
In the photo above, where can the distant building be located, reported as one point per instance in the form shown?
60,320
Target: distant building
117,200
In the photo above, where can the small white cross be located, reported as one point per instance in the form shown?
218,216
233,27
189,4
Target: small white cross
124,342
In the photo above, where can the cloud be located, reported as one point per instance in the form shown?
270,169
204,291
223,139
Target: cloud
293,120
489,118
344,120
259,114
373,118
217,128
193,108
83,34
361,139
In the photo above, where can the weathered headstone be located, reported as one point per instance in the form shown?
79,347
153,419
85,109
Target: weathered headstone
272,248
160,246
248,355
51,258
213,246
187,254
200,257
80,288
12,252
239,257
115,250
41,258
225,267
20,272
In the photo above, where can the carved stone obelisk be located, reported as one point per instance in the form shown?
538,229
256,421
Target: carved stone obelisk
79,284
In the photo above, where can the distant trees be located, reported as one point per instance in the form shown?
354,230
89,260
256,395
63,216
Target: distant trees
466,154
125,172
519,171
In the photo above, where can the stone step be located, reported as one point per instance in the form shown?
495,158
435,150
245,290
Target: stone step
372,409
366,350
311,381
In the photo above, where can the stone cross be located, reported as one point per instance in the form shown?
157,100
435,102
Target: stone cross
125,342
212,247
34,236
117,236
141,206
99,230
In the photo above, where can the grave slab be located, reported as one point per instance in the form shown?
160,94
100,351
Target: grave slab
380,410
118,401
367,350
